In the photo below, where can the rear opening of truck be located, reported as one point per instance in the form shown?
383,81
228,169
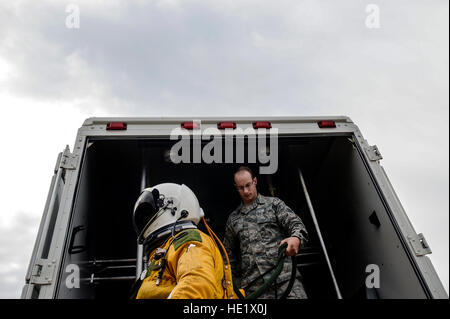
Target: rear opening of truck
357,221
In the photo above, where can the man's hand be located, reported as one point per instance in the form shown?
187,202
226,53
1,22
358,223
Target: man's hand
293,244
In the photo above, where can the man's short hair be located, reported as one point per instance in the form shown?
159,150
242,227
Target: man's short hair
244,168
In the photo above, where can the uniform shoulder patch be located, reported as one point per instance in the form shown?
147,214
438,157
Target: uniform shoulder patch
187,236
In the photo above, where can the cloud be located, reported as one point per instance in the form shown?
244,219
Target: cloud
195,57
17,241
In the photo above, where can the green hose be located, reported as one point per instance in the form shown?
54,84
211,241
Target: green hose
273,277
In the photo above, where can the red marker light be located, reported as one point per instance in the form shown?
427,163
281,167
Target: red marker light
116,126
326,124
224,125
190,125
262,125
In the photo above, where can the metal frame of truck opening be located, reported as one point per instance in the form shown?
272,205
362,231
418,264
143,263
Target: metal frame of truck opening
69,193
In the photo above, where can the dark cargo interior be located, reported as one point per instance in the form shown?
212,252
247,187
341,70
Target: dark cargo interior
354,222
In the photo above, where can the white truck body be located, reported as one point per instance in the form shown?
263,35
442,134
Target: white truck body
86,246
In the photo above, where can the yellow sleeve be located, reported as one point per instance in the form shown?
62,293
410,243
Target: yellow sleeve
195,272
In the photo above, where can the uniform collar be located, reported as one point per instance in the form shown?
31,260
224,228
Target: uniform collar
244,209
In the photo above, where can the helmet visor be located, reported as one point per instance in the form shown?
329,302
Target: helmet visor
145,209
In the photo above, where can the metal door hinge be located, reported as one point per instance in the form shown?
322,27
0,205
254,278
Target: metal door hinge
373,153
68,160
43,272
419,245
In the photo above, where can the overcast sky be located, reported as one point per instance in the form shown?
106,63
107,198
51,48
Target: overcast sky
385,66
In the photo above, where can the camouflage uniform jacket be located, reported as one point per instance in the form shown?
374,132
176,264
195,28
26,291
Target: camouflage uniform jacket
253,234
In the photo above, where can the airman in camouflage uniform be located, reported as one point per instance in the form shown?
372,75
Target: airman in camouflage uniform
253,233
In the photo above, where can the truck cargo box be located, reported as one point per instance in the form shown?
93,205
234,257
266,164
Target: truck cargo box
325,171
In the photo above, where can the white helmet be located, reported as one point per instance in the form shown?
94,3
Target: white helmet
158,208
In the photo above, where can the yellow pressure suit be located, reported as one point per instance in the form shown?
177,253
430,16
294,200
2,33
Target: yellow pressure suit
194,269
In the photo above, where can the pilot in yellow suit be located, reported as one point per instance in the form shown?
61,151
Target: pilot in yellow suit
183,262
